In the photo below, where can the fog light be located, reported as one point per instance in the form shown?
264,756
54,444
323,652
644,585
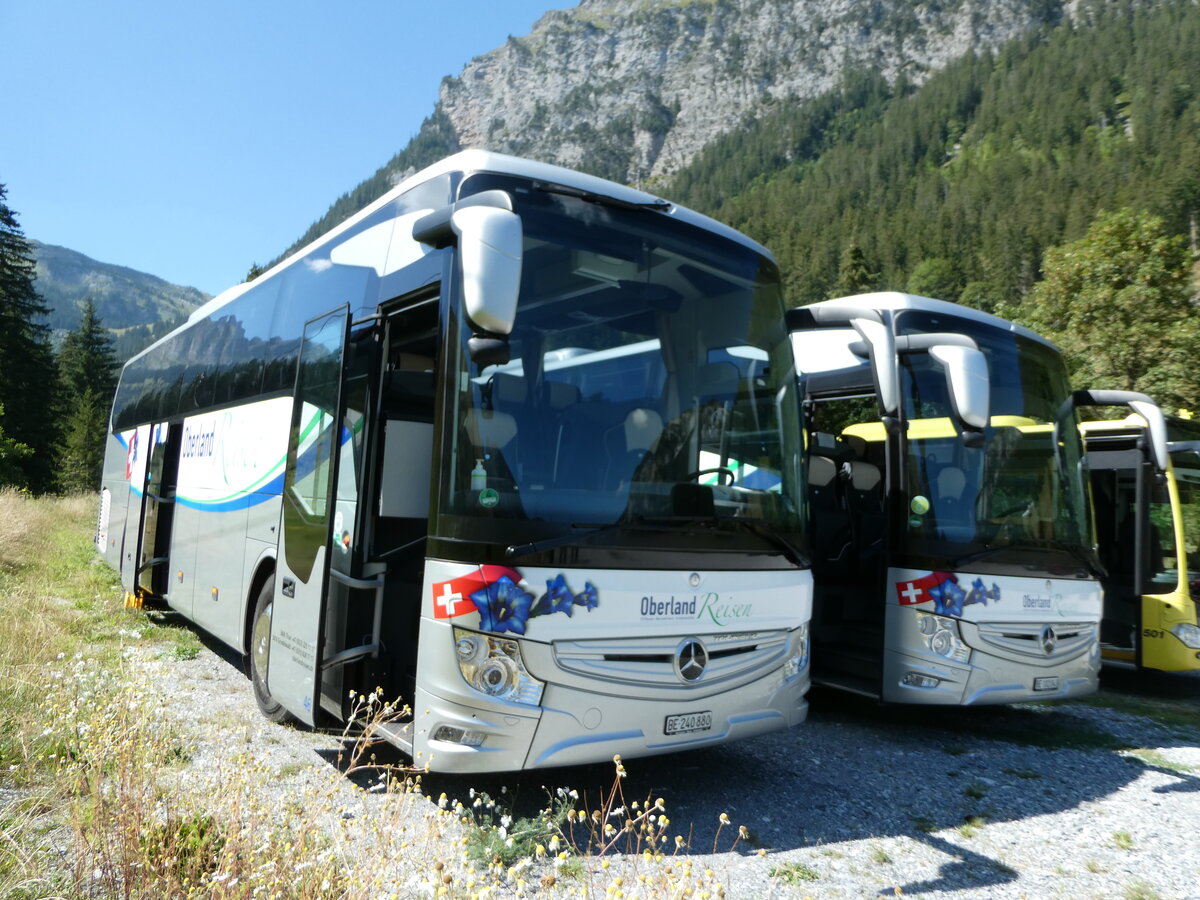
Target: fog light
452,734
917,680
1189,634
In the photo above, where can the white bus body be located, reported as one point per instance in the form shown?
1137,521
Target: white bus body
952,547
518,445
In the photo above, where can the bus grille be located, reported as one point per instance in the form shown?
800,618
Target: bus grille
1052,641
651,661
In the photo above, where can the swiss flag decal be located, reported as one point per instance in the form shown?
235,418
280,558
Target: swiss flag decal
453,598
923,589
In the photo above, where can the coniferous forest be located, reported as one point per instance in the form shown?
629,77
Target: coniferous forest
959,189
53,406
1055,182
996,175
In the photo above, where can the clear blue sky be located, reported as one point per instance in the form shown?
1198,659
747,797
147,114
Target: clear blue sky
189,140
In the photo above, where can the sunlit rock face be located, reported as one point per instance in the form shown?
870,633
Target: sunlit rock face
633,89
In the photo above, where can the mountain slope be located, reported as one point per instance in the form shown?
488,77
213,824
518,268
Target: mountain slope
632,89
977,172
136,306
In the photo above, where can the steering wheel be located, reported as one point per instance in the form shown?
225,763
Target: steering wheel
719,470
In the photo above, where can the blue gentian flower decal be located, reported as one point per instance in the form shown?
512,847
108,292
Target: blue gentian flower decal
948,598
556,599
503,606
980,594
589,598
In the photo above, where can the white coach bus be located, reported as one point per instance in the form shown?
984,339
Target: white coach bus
519,445
953,546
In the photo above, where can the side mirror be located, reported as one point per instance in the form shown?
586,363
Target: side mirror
1155,421
489,246
878,344
489,238
967,383
883,355
1141,404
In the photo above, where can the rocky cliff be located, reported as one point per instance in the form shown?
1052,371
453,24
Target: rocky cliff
632,89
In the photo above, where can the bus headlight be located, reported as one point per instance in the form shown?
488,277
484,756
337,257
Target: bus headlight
494,666
798,661
1188,633
941,636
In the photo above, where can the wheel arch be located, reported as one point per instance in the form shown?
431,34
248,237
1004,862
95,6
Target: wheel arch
263,570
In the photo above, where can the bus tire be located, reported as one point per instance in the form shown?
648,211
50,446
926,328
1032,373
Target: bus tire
260,650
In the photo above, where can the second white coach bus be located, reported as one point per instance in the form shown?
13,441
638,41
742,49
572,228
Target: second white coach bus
953,549
516,444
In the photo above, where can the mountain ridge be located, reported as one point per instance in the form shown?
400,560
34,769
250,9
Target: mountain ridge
632,90
136,306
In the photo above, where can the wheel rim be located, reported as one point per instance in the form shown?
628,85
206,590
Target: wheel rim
261,651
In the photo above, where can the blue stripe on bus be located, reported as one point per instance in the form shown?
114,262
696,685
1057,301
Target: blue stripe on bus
583,740
271,489
305,466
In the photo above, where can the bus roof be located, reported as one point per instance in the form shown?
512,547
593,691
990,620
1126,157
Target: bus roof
896,300
470,162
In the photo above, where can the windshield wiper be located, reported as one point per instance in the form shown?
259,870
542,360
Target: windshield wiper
766,529
1039,546
601,199
760,527
514,551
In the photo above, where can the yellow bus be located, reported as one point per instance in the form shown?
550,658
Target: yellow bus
1148,534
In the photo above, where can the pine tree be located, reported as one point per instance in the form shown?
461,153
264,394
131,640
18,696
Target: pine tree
27,373
11,455
87,368
854,275
936,277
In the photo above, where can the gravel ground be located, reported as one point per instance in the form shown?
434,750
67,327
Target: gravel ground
1080,800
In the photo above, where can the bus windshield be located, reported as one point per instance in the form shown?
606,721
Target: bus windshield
650,380
1020,489
1169,557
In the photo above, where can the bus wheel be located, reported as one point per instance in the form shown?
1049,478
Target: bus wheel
260,652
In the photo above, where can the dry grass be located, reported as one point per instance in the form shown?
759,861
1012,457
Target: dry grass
103,802
54,600
26,522
141,830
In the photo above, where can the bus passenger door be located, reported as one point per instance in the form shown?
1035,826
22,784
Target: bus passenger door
158,506
136,452
302,574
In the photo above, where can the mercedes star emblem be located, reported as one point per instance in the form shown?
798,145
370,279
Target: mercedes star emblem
690,660
1049,640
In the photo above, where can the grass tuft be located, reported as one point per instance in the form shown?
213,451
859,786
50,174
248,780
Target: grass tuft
794,873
